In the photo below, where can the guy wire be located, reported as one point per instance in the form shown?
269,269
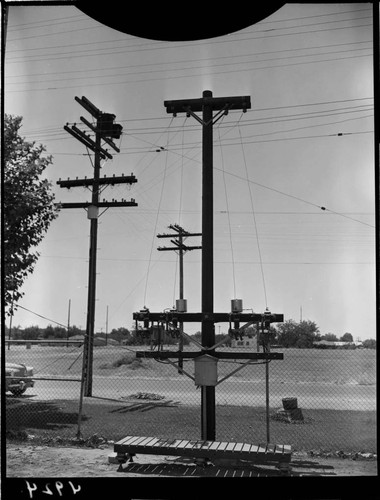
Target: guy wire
228,214
158,213
254,219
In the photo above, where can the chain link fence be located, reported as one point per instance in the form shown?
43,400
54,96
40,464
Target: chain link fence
313,399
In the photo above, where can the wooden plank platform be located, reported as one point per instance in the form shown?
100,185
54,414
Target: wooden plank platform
270,454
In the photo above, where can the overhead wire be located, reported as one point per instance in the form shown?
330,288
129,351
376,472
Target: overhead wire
40,315
156,221
271,21
233,37
297,198
254,221
228,214
23,27
187,68
127,82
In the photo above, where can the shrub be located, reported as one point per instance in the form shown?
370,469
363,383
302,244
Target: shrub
129,360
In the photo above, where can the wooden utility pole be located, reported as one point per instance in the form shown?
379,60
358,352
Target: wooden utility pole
68,323
107,325
105,130
207,104
181,248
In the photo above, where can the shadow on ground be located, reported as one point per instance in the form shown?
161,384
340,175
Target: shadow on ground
22,413
300,468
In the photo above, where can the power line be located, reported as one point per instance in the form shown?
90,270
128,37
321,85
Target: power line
296,198
82,17
52,133
228,216
235,63
254,222
51,23
57,33
44,317
217,261
231,39
32,24
315,15
274,119
58,128
146,80
155,227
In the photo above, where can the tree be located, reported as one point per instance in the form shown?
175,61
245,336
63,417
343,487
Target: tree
29,333
330,337
120,334
75,330
28,207
197,336
54,332
369,344
300,335
347,337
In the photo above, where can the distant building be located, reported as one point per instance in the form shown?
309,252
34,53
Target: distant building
336,344
246,342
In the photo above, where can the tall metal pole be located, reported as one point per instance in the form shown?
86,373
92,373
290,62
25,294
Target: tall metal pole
208,329
90,326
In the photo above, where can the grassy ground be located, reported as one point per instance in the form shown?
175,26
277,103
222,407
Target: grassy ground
327,429
307,365
59,419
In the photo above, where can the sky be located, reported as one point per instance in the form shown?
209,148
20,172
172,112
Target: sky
307,142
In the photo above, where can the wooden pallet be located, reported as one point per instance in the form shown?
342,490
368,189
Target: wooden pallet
269,454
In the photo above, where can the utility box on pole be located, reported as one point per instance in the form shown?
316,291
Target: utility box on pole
92,212
206,370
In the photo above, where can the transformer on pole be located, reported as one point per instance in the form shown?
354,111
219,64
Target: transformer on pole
105,130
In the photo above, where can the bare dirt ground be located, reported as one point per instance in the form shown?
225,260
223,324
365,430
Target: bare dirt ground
44,461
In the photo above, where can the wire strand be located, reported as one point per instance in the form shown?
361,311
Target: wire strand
228,215
254,219
157,215
297,198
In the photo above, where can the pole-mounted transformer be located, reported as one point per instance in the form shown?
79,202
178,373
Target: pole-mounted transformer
105,130
107,127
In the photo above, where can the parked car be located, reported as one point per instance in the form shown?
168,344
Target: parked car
18,386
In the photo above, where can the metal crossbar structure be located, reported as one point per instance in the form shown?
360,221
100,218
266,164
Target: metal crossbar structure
206,358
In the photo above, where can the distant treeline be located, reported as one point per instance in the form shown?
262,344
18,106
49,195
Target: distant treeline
289,334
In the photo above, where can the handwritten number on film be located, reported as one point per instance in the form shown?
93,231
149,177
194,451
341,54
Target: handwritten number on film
57,488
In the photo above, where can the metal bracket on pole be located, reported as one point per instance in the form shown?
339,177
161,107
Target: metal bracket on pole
214,119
